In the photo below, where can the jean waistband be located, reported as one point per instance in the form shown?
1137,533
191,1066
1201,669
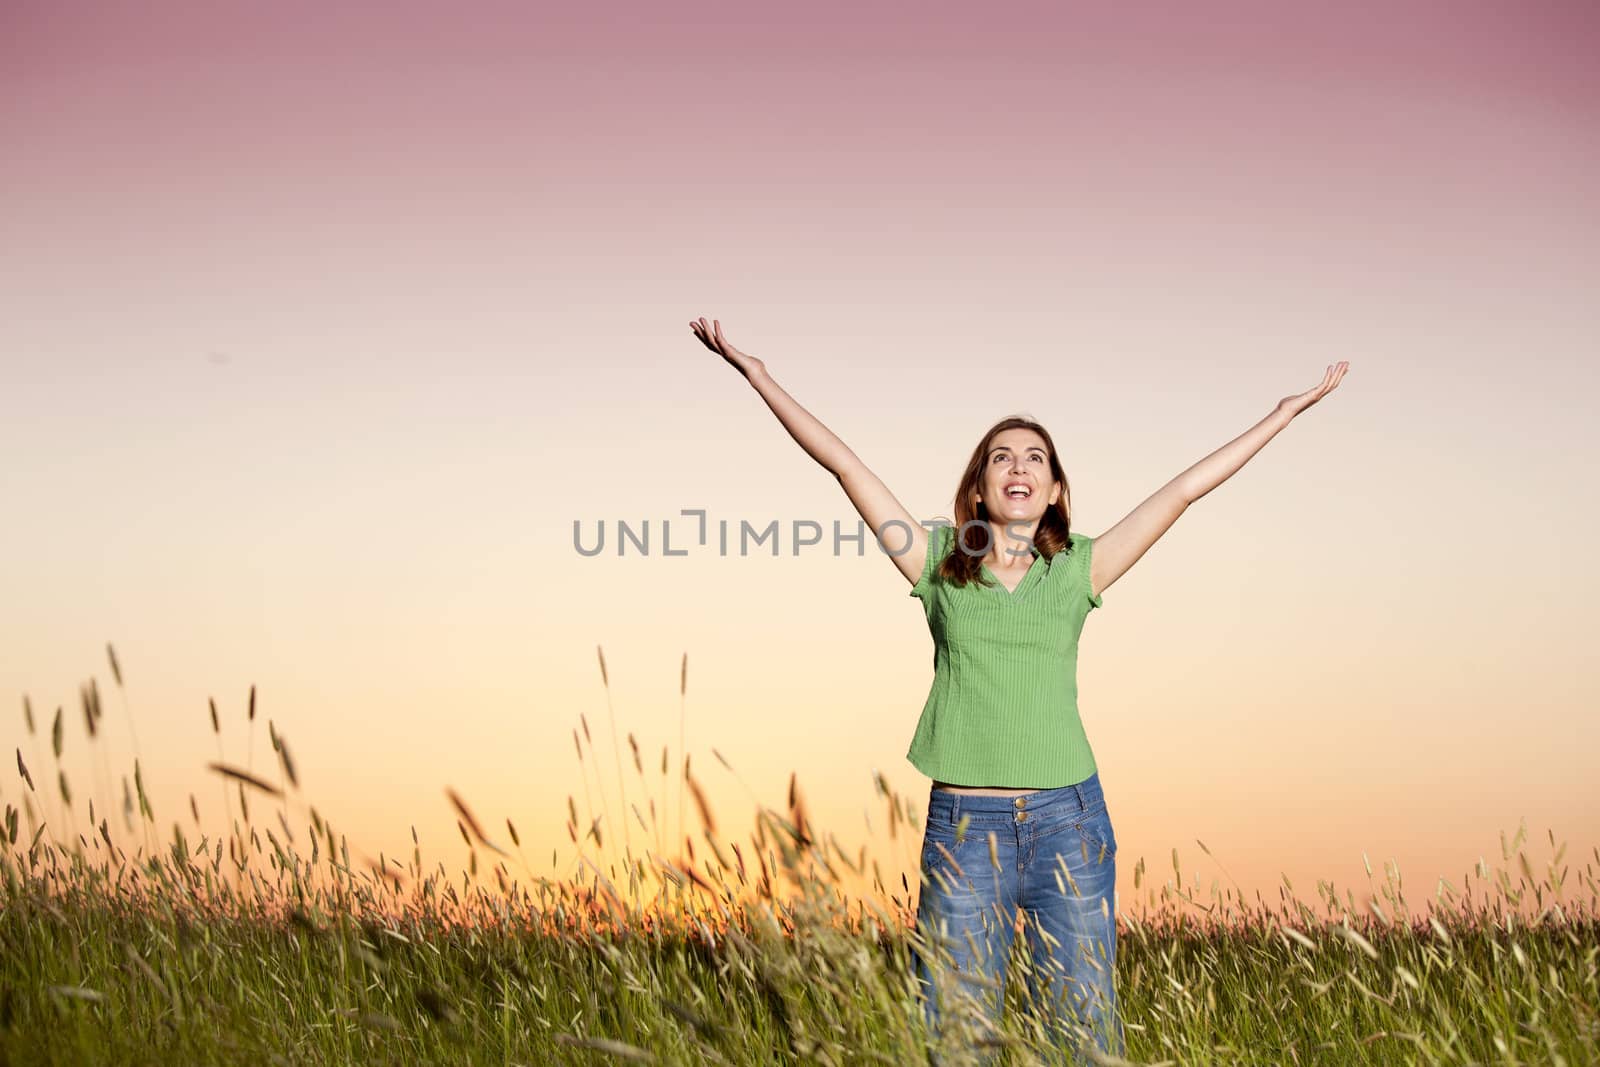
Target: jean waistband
1087,794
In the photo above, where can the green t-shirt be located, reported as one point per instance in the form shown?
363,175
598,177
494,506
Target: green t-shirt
1003,708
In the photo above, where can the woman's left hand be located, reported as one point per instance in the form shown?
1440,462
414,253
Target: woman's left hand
1294,405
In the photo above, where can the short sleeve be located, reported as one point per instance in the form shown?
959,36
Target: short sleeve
1085,549
939,540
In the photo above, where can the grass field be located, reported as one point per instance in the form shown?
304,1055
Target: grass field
274,948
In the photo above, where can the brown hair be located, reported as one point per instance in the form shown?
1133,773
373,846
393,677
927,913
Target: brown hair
1050,537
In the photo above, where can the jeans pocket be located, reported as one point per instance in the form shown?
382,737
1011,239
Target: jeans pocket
956,849
1097,832
932,858
944,853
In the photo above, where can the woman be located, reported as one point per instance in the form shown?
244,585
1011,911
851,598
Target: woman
1016,814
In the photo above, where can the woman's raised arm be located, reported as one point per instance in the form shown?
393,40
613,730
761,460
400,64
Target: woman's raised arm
907,541
1120,547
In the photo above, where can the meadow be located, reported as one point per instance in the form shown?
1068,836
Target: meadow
267,944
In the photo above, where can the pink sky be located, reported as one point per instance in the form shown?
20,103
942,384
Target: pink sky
318,330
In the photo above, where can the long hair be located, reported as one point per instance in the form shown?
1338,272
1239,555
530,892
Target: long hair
1050,537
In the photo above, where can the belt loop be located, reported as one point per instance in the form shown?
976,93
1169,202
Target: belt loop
1078,789
955,808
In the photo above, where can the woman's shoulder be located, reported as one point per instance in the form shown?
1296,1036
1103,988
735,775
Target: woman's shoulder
1071,555
941,540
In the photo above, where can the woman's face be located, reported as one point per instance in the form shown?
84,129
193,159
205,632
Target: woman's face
1016,485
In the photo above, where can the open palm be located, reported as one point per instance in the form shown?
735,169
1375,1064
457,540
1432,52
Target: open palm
711,336
1294,405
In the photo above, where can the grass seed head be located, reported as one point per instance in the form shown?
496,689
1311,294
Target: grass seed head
245,778
288,762
707,820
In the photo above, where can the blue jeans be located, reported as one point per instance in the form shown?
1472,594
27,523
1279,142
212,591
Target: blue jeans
1055,852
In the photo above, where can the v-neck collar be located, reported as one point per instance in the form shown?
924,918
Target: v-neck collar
1027,578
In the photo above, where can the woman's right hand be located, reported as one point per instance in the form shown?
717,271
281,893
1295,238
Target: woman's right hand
712,337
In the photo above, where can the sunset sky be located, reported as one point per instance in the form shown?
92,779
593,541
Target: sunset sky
320,328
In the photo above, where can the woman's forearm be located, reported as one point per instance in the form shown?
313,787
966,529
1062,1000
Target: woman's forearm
1220,465
820,443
